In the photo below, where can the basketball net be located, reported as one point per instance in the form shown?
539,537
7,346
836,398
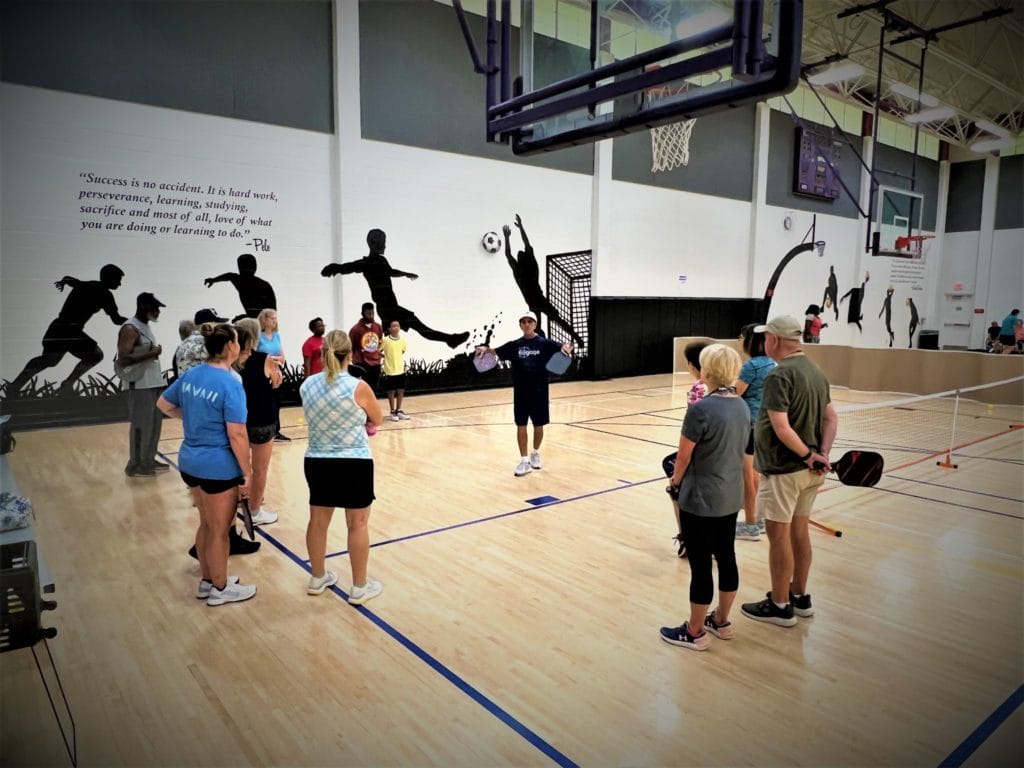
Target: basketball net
670,144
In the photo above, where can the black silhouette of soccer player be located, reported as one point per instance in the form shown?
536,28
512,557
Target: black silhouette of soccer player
887,309
378,273
67,334
527,274
255,293
830,299
913,321
854,314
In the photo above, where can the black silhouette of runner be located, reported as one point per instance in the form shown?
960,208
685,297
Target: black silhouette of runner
255,293
66,334
527,274
913,321
378,273
831,297
856,295
887,309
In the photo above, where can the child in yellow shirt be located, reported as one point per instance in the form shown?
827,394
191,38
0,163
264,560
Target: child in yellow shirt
393,367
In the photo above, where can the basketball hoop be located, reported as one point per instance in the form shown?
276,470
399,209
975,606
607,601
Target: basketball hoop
670,144
913,244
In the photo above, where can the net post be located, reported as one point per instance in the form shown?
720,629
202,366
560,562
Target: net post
948,463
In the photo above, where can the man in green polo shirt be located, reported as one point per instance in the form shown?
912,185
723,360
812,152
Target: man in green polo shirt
793,434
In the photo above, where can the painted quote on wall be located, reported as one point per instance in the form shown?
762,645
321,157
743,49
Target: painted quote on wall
175,209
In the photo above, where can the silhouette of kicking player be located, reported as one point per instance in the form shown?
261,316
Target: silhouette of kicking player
378,273
887,309
831,292
913,321
854,314
255,293
67,333
527,274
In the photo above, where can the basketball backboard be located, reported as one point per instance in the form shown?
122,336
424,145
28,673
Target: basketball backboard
897,224
591,69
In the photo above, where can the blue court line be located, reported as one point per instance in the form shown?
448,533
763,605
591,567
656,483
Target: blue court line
489,705
499,516
954,488
969,745
948,503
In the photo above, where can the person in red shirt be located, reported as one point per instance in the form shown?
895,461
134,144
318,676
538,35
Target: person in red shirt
312,362
366,336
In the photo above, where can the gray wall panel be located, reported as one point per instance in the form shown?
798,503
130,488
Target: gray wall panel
1010,198
269,62
426,94
966,184
781,159
721,157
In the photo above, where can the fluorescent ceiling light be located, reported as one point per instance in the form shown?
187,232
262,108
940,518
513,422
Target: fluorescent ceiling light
989,145
930,115
990,127
704,20
912,93
837,73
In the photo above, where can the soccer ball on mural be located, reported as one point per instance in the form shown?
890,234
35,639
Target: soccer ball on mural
491,242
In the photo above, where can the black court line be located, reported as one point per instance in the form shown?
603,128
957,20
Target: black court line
579,425
948,503
954,488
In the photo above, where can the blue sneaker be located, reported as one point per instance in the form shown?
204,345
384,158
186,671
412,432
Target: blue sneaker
681,636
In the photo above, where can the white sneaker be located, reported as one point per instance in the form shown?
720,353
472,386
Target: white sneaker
263,516
523,468
393,417
535,460
368,591
203,590
403,415
232,593
317,585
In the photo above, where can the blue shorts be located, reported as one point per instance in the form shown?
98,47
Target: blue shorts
530,406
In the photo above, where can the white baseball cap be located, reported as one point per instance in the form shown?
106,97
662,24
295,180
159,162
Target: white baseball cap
528,316
783,326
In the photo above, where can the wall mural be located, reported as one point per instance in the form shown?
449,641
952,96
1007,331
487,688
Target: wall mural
255,293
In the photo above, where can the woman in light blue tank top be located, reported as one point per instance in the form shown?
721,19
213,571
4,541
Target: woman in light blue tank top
750,386
339,467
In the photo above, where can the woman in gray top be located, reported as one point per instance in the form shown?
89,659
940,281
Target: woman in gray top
710,459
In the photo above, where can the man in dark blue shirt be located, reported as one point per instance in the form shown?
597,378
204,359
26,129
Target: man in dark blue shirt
529,356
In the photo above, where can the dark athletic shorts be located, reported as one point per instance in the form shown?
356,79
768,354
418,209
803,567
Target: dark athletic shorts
261,435
750,444
346,483
392,383
211,487
530,406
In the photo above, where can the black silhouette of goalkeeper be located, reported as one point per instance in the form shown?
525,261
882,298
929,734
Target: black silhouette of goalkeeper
887,310
66,334
255,293
378,273
527,274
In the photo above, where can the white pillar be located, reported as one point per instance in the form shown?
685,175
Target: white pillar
600,214
759,192
934,292
983,276
347,137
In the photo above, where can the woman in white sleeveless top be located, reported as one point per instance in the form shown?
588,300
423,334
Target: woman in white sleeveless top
338,465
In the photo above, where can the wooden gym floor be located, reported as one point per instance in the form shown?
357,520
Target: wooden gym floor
519,619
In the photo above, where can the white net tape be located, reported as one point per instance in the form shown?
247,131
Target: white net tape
670,144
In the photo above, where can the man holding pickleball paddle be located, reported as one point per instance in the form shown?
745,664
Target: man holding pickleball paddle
530,356
792,439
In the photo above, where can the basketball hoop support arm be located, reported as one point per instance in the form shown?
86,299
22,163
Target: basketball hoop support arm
810,245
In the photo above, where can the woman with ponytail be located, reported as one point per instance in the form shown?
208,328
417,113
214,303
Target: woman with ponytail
338,465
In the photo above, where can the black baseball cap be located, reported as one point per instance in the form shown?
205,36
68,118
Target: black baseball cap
148,300
208,316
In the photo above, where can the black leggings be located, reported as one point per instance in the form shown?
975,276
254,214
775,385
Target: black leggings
707,536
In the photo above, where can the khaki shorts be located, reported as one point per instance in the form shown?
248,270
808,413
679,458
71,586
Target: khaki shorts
780,498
